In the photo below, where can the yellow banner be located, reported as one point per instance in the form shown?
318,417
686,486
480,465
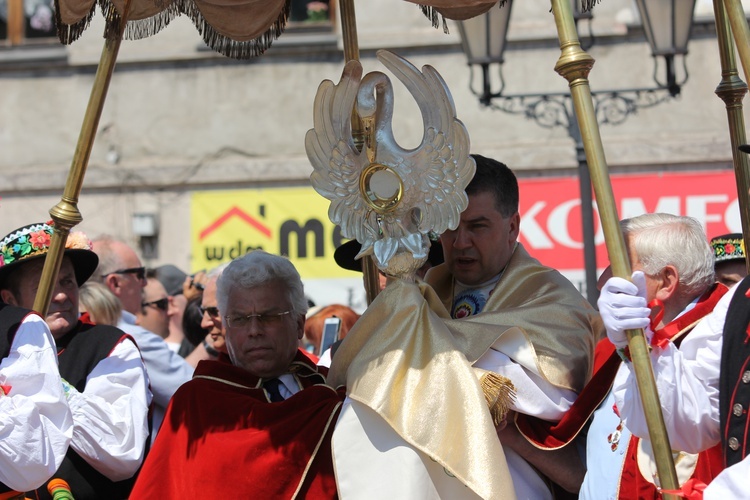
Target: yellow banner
285,221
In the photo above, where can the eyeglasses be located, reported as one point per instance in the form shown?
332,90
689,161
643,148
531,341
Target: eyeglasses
162,304
213,311
265,319
140,272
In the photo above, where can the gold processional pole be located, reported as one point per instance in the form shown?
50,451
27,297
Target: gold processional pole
736,14
66,214
732,90
574,65
351,53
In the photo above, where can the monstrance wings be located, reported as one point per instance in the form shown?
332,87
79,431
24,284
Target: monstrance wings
385,196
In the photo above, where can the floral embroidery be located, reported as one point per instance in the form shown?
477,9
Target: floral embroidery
40,239
728,247
34,240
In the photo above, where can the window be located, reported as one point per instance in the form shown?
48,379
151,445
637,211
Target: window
310,13
24,20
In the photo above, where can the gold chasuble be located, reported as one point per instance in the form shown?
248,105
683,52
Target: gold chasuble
535,316
407,368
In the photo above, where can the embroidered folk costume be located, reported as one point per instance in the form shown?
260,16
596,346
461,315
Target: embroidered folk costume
688,383
105,382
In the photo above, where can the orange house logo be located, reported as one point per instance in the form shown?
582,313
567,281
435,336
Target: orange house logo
229,214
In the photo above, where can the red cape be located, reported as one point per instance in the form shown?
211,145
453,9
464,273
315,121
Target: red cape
222,438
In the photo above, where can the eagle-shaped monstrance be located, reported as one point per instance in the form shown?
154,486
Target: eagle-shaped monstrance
386,197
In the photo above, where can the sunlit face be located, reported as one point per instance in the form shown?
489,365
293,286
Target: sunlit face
211,320
155,313
265,350
63,309
127,286
483,243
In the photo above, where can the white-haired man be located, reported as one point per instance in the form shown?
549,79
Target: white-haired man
673,288
268,411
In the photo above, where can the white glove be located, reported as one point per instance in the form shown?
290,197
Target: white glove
623,306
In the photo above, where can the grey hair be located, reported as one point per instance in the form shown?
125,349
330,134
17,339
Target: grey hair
109,260
662,239
215,272
259,268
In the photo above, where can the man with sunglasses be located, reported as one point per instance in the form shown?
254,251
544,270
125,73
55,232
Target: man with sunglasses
261,426
156,309
121,270
104,379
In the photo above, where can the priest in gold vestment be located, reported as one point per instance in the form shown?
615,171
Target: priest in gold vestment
411,422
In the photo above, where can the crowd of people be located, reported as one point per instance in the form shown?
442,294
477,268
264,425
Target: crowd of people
489,376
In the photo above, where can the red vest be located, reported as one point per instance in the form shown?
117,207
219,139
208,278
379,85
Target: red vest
547,435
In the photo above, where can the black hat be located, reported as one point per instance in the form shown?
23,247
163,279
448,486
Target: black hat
171,277
344,255
31,242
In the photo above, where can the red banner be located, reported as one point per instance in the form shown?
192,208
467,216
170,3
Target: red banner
551,210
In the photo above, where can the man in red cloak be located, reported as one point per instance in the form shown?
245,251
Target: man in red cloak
261,426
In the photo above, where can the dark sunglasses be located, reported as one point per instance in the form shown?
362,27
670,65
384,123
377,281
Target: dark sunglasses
213,312
140,272
162,304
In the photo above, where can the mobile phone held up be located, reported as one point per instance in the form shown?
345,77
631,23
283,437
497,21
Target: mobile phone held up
331,328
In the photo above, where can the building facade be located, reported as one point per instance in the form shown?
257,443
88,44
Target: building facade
193,146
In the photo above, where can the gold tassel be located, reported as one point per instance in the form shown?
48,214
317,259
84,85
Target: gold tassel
500,394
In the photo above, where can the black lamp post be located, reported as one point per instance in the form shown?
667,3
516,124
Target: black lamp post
667,25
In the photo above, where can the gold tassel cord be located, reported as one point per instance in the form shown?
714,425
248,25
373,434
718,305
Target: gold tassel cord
500,394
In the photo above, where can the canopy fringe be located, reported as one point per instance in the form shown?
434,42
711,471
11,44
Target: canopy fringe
233,48
112,19
69,33
144,28
434,16
587,5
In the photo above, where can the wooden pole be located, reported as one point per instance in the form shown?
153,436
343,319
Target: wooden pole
66,214
574,65
351,53
732,90
16,22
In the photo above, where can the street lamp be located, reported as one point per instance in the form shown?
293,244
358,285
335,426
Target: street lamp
667,25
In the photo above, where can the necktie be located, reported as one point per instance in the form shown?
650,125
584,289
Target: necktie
272,387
